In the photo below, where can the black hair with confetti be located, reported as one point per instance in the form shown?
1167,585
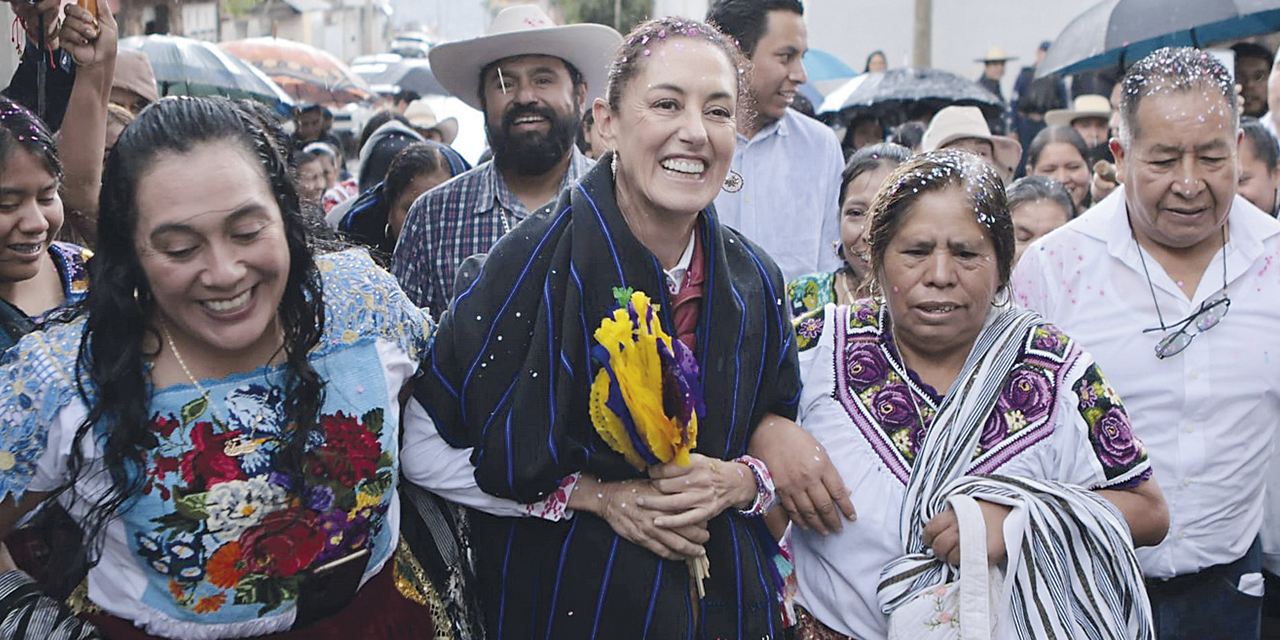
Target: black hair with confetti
21,129
1174,70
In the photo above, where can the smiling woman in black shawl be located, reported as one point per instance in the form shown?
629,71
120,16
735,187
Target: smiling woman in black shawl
511,373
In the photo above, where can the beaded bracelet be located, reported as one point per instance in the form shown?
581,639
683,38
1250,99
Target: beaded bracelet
765,492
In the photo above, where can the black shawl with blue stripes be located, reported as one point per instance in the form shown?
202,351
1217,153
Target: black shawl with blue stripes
510,374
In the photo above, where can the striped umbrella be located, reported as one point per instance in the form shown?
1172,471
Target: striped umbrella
305,72
186,67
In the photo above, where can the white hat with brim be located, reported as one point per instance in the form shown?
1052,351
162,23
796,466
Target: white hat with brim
956,122
1086,106
421,116
996,54
525,30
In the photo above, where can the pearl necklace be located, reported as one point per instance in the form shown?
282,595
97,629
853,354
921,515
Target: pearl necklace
238,445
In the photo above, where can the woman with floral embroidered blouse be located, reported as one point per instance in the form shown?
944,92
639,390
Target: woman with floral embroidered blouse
223,420
939,385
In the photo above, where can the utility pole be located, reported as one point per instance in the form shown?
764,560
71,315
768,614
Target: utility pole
922,35
617,15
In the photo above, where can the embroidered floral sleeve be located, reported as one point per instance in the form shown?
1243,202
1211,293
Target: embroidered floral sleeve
364,300
35,384
555,506
1123,457
809,329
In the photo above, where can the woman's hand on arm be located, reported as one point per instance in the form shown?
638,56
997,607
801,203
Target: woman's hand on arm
942,533
810,489
1144,509
618,503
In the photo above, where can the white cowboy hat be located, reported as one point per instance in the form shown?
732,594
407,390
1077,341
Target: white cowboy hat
996,54
420,115
956,122
519,31
1086,106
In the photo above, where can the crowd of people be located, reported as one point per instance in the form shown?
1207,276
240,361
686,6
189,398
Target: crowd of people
247,393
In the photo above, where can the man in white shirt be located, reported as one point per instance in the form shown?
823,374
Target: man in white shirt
1144,280
783,188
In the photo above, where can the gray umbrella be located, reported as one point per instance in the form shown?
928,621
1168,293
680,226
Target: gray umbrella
1113,33
898,94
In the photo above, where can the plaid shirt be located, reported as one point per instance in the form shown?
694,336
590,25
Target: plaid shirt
457,219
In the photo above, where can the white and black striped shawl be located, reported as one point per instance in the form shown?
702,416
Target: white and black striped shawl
1072,573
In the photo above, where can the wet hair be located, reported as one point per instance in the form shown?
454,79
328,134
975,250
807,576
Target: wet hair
414,160
936,171
1039,188
21,129
112,365
1176,70
312,108
747,20
871,158
376,121
1050,135
1261,142
635,49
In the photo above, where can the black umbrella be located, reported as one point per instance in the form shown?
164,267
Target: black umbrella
898,94
1115,32
391,73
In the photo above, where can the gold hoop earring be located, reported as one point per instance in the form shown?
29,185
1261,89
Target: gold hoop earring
874,290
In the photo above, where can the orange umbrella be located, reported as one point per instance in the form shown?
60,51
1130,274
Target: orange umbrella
303,71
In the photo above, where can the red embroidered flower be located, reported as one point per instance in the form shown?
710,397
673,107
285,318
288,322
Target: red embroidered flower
284,543
165,426
205,464
350,452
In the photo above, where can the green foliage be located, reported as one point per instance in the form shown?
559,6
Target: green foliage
239,8
602,12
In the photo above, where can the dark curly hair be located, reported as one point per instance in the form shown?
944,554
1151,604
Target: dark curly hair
112,366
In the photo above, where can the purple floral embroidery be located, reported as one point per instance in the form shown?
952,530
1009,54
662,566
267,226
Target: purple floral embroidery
1027,391
1049,338
892,404
1116,445
864,364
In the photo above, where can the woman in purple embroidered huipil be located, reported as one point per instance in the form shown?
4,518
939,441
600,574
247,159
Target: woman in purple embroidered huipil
939,385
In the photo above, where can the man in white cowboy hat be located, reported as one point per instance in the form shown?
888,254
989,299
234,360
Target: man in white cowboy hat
423,120
1090,115
531,78
783,188
993,69
964,128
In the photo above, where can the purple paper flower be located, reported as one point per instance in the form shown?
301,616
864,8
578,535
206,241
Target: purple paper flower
1115,443
864,365
893,406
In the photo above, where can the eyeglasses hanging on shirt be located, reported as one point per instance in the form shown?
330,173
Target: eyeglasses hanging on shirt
1210,313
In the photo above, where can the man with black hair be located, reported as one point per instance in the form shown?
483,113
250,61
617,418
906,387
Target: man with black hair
531,78
783,187
1253,65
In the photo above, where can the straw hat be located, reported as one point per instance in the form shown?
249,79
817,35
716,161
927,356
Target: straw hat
519,31
420,115
956,122
996,54
1086,106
